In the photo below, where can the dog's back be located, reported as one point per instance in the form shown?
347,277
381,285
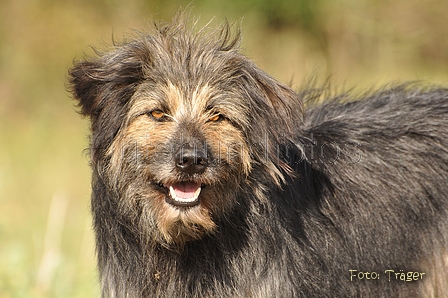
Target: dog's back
378,168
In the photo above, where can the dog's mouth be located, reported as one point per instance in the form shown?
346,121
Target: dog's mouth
183,194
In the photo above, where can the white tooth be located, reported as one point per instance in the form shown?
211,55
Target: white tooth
173,193
196,193
192,199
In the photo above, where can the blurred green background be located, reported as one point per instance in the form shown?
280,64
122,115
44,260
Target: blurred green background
46,243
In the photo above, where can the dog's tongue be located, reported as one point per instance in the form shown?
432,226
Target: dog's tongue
186,190
183,194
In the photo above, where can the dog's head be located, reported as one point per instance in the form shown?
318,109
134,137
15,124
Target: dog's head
180,122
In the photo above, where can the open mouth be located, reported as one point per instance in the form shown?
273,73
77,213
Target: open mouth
183,194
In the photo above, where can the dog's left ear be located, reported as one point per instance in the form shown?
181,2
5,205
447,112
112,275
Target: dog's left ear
268,96
278,109
286,104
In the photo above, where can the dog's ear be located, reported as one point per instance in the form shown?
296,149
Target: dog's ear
279,110
103,87
86,84
286,104
106,81
270,97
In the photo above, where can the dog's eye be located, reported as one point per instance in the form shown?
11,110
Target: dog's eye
216,118
157,114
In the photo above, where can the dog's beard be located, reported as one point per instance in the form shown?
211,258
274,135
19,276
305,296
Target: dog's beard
170,207
174,224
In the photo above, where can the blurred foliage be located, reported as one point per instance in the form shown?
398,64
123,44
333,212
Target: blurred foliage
46,243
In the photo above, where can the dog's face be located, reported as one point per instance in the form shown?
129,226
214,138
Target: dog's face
179,125
184,152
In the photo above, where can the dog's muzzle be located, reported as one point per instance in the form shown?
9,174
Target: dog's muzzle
190,162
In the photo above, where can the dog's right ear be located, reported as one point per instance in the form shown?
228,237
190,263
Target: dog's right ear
85,84
106,82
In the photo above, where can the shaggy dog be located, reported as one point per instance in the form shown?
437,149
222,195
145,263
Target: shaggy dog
210,179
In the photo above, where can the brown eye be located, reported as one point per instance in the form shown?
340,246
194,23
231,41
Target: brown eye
216,118
157,114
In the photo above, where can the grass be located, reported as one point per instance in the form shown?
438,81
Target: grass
46,241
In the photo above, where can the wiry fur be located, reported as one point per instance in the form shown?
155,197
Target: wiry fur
292,200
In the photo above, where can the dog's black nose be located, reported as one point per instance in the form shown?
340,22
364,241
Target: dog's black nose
191,160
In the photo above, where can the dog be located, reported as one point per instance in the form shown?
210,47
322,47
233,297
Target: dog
211,179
